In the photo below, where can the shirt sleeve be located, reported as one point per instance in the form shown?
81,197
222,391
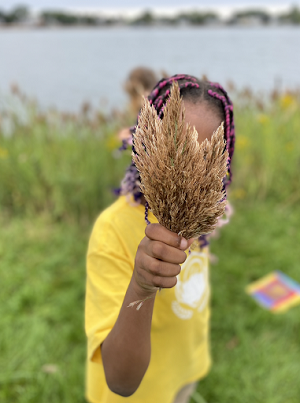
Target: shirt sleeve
109,270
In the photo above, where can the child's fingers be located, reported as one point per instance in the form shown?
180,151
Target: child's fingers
162,251
160,268
164,282
149,281
157,232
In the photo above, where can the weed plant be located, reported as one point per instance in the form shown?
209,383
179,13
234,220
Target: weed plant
67,165
267,156
61,164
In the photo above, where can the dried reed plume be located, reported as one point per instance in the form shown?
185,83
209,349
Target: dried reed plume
180,178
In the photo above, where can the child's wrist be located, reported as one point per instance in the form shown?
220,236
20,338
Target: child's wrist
142,291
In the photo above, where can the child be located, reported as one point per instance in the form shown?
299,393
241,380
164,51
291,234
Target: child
155,354
139,84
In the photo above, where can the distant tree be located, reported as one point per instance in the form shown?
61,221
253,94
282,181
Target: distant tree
2,16
197,18
18,14
63,18
261,15
167,20
146,18
88,20
109,21
292,17
50,17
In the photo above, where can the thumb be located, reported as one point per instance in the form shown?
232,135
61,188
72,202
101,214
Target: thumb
185,244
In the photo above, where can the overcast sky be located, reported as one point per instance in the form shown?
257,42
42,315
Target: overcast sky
102,4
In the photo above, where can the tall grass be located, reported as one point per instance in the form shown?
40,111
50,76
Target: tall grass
67,165
62,167
61,164
267,156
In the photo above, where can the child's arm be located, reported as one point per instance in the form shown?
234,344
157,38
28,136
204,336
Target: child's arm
127,349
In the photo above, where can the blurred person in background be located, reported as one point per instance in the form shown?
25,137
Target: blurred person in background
139,84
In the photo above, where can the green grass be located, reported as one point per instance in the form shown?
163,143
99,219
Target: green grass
56,174
42,300
67,165
267,155
256,355
61,164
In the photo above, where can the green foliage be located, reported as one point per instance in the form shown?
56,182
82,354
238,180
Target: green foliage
59,164
56,174
17,14
267,156
146,18
256,354
250,16
197,18
41,312
67,165
293,16
58,17
259,14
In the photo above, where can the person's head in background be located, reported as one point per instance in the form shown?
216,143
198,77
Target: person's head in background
207,105
139,84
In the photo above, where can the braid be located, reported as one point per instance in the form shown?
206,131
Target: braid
159,101
146,213
167,93
229,123
193,90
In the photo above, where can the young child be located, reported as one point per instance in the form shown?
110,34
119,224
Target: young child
155,354
139,84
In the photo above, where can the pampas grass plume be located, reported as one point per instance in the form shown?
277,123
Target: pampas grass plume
180,178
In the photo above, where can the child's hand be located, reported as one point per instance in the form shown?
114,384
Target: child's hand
158,259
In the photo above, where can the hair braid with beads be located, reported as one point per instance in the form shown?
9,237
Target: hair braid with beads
195,91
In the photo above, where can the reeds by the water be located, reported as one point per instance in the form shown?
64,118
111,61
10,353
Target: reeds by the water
66,165
180,178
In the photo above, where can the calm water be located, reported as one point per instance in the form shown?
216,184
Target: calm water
63,68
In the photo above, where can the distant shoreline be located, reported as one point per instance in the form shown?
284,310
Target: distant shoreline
154,27
23,17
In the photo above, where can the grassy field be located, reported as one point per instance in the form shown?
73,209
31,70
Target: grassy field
256,354
57,172
42,340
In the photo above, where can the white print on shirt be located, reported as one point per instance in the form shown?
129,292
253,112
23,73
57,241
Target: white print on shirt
192,289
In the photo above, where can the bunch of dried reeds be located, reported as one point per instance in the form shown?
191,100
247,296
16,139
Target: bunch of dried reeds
180,178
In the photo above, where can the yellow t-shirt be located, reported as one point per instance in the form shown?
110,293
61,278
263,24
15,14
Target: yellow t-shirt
179,333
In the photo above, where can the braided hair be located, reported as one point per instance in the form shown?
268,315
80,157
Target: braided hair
195,91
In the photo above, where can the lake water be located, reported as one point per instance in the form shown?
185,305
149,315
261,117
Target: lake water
64,67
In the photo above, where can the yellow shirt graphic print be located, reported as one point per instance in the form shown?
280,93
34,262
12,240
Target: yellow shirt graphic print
192,290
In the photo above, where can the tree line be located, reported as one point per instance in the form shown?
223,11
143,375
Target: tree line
22,15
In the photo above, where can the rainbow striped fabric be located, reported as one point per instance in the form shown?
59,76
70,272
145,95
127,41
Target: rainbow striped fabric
276,292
